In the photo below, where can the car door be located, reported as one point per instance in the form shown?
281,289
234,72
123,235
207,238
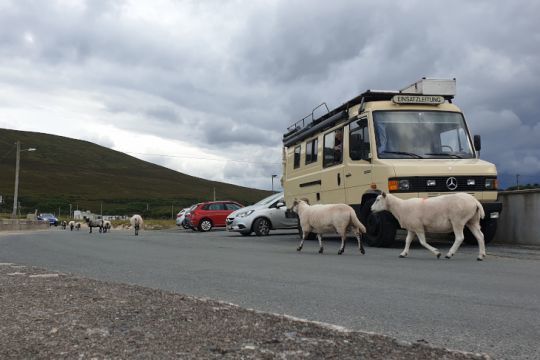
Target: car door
278,218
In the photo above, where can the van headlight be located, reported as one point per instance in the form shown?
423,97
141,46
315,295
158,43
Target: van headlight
246,213
491,184
399,185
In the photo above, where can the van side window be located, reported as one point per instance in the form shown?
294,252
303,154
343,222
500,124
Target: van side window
333,148
297,157
359,140
311,151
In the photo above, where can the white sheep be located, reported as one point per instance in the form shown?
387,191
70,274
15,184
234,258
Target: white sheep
321,219
107,226
439,214
137,223
71,225
78,226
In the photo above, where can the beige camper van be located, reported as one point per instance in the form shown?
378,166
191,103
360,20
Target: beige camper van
412,143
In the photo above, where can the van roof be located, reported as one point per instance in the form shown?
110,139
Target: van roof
302,129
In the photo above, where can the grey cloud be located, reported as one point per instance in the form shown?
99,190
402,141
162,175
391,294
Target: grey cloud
235,86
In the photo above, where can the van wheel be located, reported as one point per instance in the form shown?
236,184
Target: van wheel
205,225
380,226
488,227
262,227
310,236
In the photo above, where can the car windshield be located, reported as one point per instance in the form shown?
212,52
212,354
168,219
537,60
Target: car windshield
269,200
421,134
47,215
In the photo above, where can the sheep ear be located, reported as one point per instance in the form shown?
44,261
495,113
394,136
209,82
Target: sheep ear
384,194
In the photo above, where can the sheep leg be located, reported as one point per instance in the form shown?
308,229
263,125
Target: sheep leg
304,234
458,233
342,248
475,229
408,241
360,247
422,238
321,249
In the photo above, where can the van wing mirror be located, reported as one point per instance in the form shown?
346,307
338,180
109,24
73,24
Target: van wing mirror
477,143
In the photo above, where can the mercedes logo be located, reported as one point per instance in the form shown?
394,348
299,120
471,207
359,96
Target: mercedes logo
451,183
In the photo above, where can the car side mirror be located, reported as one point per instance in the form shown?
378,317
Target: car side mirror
477,143
280,204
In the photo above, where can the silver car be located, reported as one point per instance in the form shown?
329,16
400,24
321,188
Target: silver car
261,217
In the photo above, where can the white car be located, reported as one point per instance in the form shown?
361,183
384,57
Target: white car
260,218
181,216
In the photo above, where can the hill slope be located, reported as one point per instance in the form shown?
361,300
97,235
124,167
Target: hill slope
66,171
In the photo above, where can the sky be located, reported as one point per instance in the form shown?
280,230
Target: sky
208,88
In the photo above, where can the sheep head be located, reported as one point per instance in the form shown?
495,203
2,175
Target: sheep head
380,203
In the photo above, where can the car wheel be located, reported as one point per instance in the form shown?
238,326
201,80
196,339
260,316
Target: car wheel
205,225
185,225
488,227
380,226
262,227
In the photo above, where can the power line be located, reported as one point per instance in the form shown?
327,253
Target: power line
205,158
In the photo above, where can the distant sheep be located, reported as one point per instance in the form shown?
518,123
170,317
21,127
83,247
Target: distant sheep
94,223
107,226
137,223
77,226
321,219
63,224
439,214
71,225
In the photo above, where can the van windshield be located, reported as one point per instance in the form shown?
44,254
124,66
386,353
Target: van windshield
421,134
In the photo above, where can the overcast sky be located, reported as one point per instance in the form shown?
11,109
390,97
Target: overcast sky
214,84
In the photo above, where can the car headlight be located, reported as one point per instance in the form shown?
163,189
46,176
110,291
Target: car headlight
246,213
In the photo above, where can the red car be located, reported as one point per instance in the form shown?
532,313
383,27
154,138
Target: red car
212,214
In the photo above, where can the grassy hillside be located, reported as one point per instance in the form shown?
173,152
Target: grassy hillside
66,171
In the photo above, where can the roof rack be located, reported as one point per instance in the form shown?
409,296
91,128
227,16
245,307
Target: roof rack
425,86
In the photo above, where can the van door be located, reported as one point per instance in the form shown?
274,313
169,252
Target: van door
332,175
358,166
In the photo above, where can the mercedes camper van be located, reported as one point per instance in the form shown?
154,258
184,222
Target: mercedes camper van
412,143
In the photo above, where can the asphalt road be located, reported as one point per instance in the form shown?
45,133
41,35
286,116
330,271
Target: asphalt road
491,306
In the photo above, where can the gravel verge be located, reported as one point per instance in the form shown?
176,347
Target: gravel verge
54,315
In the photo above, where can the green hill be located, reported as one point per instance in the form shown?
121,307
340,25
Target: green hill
66,171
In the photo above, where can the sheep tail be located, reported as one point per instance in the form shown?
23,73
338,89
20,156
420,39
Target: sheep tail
480,209
357,223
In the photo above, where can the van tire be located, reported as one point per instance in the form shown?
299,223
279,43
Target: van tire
381,226
488,227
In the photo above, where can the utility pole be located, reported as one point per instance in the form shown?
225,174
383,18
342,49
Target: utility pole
517,181
273,176
71,217
214,194
16,193
17,169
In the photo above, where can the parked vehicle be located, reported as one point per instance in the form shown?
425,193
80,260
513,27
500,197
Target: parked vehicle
181,216
268,214
211,214
186,224
48,217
